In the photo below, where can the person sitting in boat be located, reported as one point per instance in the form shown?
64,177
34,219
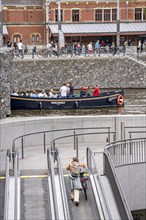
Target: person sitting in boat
63,90
70,92
14,93
42,94
24,94
96,91
33,94
84,91
53,94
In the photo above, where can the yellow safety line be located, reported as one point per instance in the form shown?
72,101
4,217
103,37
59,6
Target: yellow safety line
2,177
42,176
34,176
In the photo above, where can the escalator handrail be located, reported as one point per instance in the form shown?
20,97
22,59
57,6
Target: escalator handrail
63,188
16,168
89,151
6,196
52,175
125,204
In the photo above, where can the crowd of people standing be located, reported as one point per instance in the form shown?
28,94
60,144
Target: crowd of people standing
21,49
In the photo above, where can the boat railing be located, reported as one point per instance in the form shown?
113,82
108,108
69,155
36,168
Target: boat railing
22,143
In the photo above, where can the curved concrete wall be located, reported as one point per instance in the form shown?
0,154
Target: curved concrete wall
11,128
133,182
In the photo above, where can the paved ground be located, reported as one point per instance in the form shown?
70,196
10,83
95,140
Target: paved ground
34,157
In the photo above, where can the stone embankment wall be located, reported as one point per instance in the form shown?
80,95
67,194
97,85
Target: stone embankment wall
6,65
38,74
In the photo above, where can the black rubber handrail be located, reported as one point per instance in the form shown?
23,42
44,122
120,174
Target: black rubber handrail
125,210
62,185
6,196
106,209
16,168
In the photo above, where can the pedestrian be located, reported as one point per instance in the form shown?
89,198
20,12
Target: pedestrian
34,51
97,47
90,48
9,43
25,49
74,167
20,48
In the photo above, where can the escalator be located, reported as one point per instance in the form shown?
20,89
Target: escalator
2,194
35,197
87,208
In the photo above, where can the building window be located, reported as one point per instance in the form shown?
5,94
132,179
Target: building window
107,15
98,15
138,13
144,13
75,15
35,38
16,37
56,15
114,14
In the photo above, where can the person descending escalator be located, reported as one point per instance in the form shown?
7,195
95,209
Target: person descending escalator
74,167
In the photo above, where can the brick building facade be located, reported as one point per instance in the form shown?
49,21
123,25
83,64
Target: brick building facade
34,21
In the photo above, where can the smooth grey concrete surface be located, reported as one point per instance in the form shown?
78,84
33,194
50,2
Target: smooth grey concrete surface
134,184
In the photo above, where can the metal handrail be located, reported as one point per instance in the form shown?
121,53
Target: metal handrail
57,130
120,191
89,152
124,146
63,188
51,171
76,135
6,196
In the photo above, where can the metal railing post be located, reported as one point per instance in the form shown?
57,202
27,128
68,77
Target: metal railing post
13,151
74,139
77,147
44,143
22,147
108,135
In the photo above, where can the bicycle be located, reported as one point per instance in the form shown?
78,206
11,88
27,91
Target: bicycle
17,54
74,53
42,53
83,180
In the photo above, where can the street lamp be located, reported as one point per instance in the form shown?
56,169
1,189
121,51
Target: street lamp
61,40
127,10
118,23
1,25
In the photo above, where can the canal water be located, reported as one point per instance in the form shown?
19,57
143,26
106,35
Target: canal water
135,103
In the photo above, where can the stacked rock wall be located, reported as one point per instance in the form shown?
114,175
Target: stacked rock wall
25,75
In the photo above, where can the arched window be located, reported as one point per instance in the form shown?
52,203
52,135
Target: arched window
17,37
35,38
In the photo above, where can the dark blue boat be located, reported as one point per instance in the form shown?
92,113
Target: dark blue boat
106,99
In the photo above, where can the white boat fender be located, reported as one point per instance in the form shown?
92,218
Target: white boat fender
76,104
41,106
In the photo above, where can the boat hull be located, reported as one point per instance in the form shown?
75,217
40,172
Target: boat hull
110,99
